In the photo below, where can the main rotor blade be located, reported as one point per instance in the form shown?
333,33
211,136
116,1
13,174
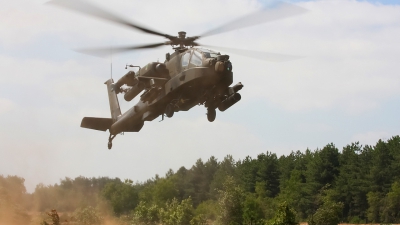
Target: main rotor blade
267,56
281,11
102,52
89,9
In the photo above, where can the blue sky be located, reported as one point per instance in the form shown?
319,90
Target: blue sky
386,2
346,89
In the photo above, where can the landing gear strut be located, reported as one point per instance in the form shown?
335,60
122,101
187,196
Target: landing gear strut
110,141
211,114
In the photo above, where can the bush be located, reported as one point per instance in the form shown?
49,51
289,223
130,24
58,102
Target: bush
356,220
328,214
198,220
252,211
87,216
176,213
146,215
122,197
207,209
284,216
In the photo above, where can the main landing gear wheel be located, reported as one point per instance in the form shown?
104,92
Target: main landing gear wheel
211,114
109,145
169,110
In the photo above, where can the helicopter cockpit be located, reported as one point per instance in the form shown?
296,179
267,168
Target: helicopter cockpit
195,57
208,53
192,58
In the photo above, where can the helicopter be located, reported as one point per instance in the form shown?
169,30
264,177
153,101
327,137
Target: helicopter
192,75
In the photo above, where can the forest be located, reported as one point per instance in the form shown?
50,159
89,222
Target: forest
357,184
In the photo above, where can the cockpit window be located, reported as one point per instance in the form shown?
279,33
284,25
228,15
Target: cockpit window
196,59
185,59
208,53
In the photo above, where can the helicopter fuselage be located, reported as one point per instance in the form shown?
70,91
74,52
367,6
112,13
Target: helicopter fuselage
188,86
187,78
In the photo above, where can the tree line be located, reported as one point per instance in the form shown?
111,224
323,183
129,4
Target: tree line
358,184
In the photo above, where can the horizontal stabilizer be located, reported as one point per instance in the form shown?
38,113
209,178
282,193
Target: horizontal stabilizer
96,123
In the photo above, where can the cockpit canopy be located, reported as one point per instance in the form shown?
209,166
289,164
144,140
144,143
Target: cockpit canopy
196,56
209,53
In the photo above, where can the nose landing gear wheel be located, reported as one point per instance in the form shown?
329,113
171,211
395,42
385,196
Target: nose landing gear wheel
211,114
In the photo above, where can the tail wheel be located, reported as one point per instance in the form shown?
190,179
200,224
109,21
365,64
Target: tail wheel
211,114
169,110
110,138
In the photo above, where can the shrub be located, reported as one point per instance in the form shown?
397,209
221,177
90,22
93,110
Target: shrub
207,209
145,214
176,213
328,214
87,216
284,216
198,220
252,211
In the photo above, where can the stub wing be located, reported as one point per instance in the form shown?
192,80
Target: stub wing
94,123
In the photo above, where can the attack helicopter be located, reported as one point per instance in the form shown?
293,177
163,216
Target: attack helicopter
192,75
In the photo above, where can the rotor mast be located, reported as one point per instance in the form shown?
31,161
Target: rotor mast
182,41
182,36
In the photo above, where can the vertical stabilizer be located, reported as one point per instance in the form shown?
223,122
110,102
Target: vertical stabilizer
112,97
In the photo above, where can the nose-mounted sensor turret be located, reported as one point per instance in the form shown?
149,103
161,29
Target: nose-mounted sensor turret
223,64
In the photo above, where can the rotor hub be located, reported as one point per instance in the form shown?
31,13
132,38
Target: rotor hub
182,34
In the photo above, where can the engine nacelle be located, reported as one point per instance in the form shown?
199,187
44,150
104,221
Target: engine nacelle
154,69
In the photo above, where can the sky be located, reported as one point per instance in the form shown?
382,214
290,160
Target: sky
345,89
